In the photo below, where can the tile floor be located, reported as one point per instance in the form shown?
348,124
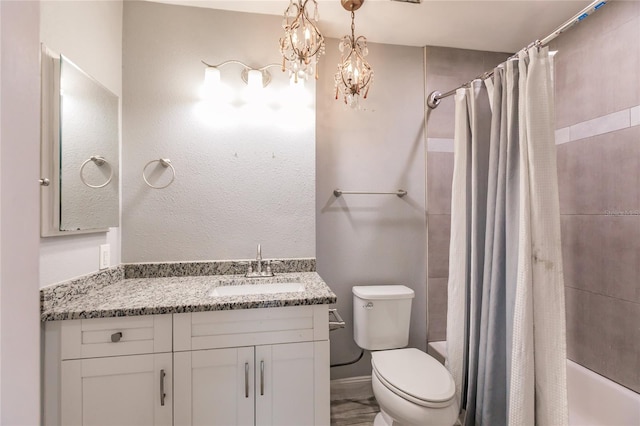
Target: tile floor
352,403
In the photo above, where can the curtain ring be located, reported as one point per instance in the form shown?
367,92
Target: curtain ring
164,162
99,161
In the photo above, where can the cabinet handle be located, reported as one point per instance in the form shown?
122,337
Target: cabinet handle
246,380
115,337
162,394
261,378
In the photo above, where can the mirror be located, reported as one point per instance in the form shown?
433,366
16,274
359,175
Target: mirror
79,163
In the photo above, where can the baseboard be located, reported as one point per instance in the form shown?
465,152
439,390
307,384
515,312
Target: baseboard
351,380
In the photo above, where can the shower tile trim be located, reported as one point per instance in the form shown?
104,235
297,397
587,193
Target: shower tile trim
635,116
600,125
439,145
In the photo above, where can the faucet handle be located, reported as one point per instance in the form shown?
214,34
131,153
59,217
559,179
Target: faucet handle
272,262
259,253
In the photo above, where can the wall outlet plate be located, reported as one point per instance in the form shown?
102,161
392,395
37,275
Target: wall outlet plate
105,256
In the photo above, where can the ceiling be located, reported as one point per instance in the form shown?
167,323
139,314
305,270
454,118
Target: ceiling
500,26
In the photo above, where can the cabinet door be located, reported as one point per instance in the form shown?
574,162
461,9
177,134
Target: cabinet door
214,387
117,391
292,384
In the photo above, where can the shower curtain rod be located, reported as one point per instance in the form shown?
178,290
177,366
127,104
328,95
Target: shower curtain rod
435,97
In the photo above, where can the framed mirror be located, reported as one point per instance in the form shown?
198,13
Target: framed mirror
79,150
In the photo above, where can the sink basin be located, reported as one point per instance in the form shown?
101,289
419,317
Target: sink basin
262,288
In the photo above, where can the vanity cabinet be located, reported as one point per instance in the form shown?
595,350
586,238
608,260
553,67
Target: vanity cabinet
109,371
270,385
275,374
266,367
122,390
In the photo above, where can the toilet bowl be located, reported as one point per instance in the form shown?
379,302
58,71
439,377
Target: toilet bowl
412,389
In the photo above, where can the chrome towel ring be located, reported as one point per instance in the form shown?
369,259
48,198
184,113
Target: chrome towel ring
99,161
164,162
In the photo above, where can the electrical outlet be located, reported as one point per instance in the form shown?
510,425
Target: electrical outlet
105,256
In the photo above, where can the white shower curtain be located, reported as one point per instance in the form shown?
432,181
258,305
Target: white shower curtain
506,317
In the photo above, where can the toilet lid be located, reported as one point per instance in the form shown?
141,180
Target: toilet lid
413,373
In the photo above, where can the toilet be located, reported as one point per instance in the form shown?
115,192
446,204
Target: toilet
411,387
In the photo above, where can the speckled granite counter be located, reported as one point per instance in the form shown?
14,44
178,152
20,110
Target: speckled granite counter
165,295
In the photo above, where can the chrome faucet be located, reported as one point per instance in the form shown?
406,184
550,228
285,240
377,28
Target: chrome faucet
258,272
259,261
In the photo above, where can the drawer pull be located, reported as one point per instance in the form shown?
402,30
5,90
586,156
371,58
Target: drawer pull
261,378
246,380
115,337
162,393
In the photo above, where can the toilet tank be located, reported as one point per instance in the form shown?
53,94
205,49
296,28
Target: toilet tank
381,316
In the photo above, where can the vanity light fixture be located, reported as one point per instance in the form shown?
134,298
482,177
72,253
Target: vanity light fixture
255,78
302,43
354,74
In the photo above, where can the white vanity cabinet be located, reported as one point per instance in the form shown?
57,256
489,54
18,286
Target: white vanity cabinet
109,371
266,367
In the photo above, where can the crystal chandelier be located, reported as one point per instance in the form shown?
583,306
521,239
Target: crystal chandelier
354,72
302,43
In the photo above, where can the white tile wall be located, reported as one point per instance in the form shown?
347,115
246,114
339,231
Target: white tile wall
635,116
600,125
439,145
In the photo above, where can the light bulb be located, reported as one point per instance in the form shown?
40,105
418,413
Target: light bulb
307,34
211,78
254,79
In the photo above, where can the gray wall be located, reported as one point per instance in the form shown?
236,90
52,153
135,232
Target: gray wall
19,213
446,69
245,174
372,239
598,117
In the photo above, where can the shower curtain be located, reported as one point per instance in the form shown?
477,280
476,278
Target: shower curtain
506,315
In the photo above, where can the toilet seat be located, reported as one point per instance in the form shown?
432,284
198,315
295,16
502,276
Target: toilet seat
414,376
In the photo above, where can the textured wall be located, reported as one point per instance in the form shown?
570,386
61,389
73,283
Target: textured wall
598,122
372,239
89,33
19,172
245,172
446,69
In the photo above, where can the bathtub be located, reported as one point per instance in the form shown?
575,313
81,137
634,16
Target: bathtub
594,400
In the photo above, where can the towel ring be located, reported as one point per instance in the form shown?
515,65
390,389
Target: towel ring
99,161
164,162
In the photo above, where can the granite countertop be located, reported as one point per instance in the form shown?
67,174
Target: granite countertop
167,295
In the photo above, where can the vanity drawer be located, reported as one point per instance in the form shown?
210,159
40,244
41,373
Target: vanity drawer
99,337
249,327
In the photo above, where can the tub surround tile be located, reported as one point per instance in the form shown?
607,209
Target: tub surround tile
635,114
224,267
598,76
600,125
110,294
437,309
603,334
438,250
601,254
440,145
439,182
563,135
600,175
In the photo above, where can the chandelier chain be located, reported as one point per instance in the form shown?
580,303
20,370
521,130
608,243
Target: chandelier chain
353,26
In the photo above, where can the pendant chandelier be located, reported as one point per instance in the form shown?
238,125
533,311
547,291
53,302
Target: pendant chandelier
302,43
354,75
